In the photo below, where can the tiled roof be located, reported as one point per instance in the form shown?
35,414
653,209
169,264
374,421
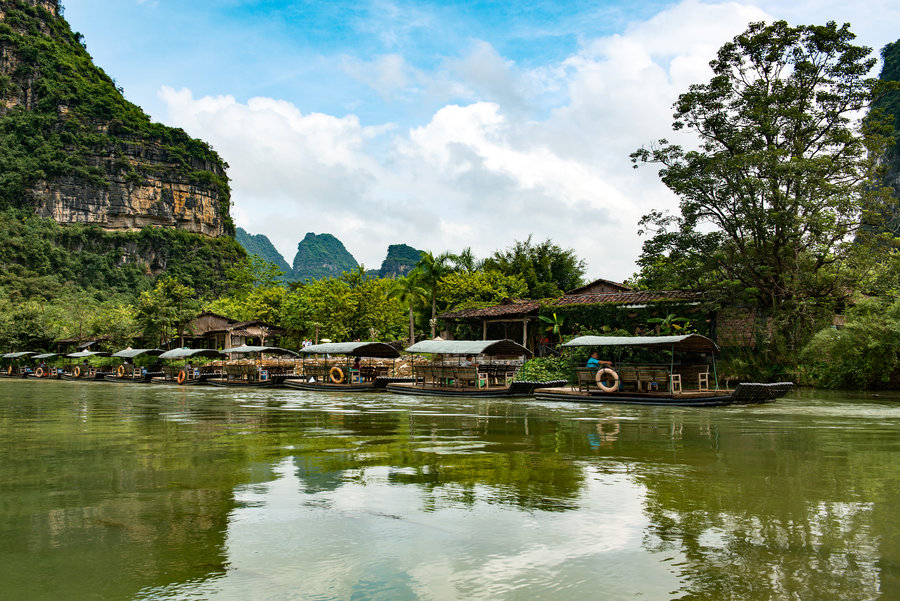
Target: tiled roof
627,298
524,308
509,309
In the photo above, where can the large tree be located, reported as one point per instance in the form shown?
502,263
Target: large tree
783,174
548,269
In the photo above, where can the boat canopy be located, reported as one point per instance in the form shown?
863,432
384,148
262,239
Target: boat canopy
44,356
131,353
17,355
688,342
86,354
272,350
357,349
469,347
184,353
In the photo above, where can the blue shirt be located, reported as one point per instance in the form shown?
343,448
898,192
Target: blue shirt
593,362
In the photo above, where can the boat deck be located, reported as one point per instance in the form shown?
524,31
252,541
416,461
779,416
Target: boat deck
743,394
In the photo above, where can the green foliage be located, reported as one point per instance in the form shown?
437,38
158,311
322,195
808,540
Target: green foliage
164,311
864,353
555,323
410,292
464,289
352,307
544,369
430,270
782,179
547,269
85,280
634,321
39,257
670,325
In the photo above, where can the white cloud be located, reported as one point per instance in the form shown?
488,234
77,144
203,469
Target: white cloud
483,174
388,74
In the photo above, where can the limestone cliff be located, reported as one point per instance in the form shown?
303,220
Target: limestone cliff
73,149
321,256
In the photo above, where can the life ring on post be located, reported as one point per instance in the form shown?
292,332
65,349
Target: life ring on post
182,376
76,372
121,371
336,374
39,372
604,375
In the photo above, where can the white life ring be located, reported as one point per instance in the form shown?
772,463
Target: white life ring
39,372
605,374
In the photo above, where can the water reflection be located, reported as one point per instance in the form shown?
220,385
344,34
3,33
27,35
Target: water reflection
195,493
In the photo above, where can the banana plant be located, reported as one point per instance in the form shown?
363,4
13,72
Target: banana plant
556,324
670,324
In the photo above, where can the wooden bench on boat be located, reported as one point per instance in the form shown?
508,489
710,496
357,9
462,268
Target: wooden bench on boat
586,378
248,372
469,377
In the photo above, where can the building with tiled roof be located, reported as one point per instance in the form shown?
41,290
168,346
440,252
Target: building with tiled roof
519,319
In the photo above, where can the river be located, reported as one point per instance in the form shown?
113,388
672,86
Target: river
119,491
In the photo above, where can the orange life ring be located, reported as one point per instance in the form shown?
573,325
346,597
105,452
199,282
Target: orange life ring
39,372
336,374
181,377
609,373
76,372
9,370
121,371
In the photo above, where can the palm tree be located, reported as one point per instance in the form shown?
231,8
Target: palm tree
431,269
466,261
410,292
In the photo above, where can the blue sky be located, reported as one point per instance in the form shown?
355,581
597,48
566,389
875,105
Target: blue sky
438,124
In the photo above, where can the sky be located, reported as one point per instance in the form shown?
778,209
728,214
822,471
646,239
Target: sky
442,125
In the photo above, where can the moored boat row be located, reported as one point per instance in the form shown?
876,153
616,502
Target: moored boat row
686,377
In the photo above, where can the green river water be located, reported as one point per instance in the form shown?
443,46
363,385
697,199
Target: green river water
117,491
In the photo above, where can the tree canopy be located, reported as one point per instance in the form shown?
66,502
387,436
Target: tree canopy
548,269
783,175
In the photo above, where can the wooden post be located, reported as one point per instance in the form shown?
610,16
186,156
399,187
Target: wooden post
484,329
525,332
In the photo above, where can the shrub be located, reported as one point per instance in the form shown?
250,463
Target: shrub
864,353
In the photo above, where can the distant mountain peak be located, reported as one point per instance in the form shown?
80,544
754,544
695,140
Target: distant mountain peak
321,256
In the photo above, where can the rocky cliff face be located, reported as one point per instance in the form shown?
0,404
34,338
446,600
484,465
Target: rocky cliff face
157,196
73,149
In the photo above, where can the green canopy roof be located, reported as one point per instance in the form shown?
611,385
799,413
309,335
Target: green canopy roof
86,354
183,353
469,347
272,350
357,349
131,353
17,355
44,356
688,342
